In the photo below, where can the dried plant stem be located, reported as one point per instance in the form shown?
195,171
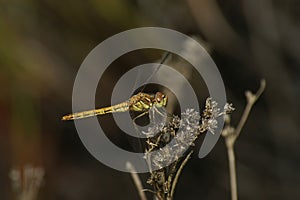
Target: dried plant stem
183,131
232,134
232,172
251,99
137,181
178,174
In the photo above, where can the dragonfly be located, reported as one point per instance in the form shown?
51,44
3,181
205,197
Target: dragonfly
141,102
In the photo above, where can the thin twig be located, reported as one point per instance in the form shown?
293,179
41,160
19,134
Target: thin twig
178,174
136,180
232,135
232,172
251,99
148,190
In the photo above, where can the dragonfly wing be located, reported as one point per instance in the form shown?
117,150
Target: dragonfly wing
145,76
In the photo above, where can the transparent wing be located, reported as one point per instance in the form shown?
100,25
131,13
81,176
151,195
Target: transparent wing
144,76
140,79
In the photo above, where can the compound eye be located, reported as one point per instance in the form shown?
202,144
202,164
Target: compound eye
159,96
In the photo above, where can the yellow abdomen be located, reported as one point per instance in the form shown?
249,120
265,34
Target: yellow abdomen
122,107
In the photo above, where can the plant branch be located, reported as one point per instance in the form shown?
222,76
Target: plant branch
251,99
230,134
232,172
178,174
136,180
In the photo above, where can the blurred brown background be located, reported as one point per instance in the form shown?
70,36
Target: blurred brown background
43,42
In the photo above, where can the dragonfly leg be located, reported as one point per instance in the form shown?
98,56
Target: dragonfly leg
137,129
134,119
140,115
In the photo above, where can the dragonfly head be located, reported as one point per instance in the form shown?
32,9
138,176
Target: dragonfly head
161,99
